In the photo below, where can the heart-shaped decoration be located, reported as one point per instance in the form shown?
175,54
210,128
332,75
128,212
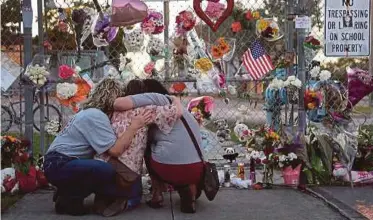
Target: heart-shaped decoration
201,14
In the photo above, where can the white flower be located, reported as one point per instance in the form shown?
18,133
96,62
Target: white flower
297,83
292,156
37,74
52,127
276,84
159,65
280,164
325,75
281,158
286,83
315,72
232,90
66,90
292,78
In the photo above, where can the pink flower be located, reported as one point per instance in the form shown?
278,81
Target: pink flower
214,9
149,68
148,27
62,26
209,103
65,72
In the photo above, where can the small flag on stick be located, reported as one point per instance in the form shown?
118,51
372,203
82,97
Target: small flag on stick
256,61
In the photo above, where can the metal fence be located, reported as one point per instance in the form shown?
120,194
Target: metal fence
59,42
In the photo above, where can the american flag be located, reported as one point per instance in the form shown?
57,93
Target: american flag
256,61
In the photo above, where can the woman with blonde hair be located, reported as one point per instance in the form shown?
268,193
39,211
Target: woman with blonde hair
69,163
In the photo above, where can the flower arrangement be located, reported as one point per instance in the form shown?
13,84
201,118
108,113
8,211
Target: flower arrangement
323,75
244,19
268,29
284,160
312,43
53,127
74,90
148,69
203,64
312,99
214,9
219,49
185,21
258,156
276,83
153,23
264,139
14,153
201,108
37,74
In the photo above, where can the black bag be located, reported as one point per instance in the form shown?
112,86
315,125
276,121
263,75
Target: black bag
210,179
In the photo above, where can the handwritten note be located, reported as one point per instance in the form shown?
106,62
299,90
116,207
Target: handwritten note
303,23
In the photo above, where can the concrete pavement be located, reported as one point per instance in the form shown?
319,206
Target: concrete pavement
356,202
233,204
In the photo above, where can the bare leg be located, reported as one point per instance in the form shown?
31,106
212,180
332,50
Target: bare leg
157,189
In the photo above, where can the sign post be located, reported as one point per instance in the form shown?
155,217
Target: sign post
347,28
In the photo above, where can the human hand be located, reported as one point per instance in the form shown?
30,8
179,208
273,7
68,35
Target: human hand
142,119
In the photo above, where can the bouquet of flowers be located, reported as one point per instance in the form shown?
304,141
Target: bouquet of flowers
53,127
221,48
265,139
153,23
201,108
37,74
312,99
74,91
185,22
214,9
9,147
268,29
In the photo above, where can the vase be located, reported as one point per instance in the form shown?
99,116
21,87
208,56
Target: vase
291,176
268,174
27,182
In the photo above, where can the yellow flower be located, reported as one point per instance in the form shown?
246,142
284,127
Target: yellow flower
256,15
195,109
203,64
263,24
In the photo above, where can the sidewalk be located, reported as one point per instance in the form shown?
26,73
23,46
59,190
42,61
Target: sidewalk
233,204
355,202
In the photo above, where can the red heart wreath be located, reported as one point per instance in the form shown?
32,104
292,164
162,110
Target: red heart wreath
214,26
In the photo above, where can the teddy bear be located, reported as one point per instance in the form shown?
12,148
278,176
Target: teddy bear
242,132
230,154
223,132
9,182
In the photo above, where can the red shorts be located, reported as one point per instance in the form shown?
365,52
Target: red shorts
183,174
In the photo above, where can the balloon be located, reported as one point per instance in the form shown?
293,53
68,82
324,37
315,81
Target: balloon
102,32
214,26
128,12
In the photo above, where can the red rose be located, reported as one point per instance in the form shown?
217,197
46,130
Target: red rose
275,158
24,157
65,72
257,161
249,15
265,161
236,27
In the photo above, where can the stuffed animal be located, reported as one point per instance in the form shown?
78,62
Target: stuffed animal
230,154
242,132
9,182
223,132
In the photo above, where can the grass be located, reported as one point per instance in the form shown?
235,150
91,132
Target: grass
8,200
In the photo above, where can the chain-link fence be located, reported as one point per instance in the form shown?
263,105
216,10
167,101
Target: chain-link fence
60,40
